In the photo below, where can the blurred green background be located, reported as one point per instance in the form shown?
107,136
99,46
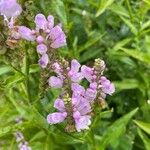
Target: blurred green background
117,31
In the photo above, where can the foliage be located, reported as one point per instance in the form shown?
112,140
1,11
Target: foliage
116,31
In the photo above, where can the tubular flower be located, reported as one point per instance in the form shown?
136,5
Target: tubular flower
79,113
76,107
46,35
10,8
72,74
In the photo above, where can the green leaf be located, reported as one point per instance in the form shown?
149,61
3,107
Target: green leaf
59,8
5,69
147,2
91,41
116,129
12,128
144,57
130,25
143,125
126,84
103,6
145,139
17,77
119,10
121,43
34,68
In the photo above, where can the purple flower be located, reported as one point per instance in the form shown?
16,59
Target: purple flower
19,136
26,33
24,146
43,61
81,122
41,49
107,86
40,39
90,94
81,110
55,82
59,105
10,8
59,42
57,37
58,70
40,21
78,90
87,72
50,19
74,73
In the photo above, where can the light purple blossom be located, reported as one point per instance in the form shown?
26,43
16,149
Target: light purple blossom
56,117
41,49
40,21
19,136
57,37
87,72
81,122
107,86
50,24
60,116
10,8
81,109
40,39
24,146
55,82
43,61
74,73
26,33
59,105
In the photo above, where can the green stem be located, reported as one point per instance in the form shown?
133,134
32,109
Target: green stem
27,67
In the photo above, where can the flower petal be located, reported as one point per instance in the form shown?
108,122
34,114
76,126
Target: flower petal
55,82
43,61
41,49
26,33
59,104
57,117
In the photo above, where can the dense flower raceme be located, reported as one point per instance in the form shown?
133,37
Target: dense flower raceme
78,105
46,35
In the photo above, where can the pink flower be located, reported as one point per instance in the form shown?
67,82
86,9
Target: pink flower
40,39
40,21
55,82
41,49
80,112
56,117
87,72
10,8
50,24
57,37
74,73
60,116
107,86
81,122
43,61
26,33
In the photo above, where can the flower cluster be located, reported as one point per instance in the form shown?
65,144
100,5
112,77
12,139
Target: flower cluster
76,102
47,36
76,107
22,143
